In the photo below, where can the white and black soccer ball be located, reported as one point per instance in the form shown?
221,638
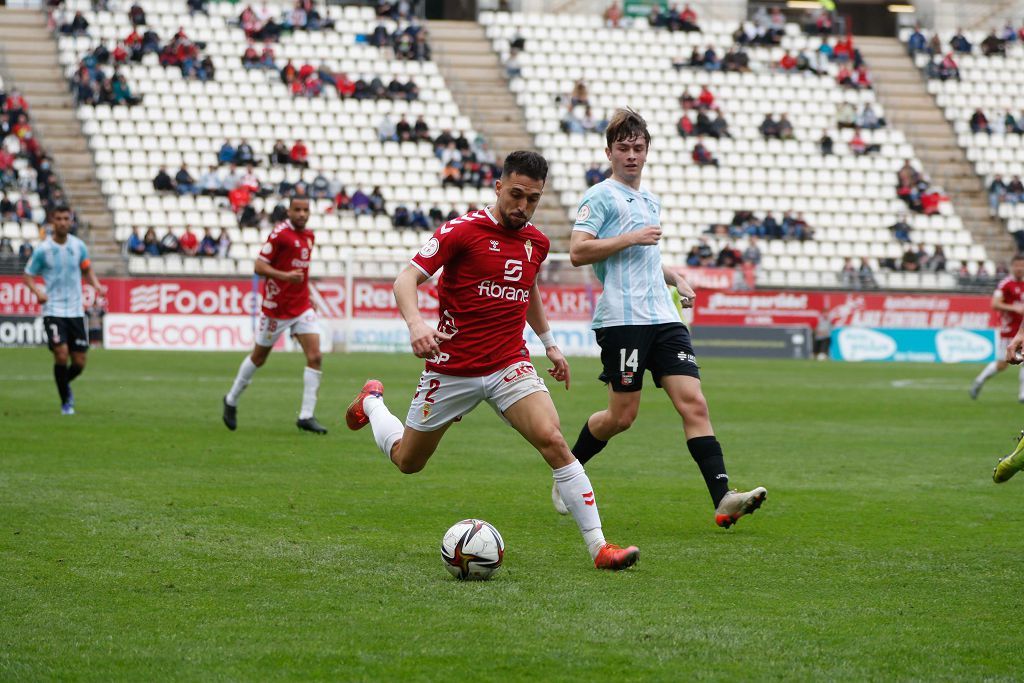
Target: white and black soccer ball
472,549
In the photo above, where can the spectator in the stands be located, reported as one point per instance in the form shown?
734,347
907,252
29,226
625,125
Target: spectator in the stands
826,143
787,62
580,94
687,20
152,243
403,129
728,257
223,243
710,60
342,201
226,154
705,99
861,78
386,131
911,260
169,243
702,155
22,209
136,15
401,217
184,182
946,69
901,229
134,243
846,115
418,220
197,7
771,228
420,130
231,179
513,68
786,128
320,188
996,193
593,175
916,42
360,203
78,26
769,127
868,119
937,261
299,154
979,122
7,212
188,242
844,77
685,126
251,57
436,217
377,202
752,254
719,127
210,183
244,155
959,42
163,181
866,276
1015,190
859,147
993,45
208,245
279,154
612,15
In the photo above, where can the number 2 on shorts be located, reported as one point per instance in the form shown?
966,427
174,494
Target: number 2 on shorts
628,362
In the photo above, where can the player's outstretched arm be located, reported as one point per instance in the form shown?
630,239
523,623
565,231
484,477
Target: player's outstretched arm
537,319
674,278
425,340
585,248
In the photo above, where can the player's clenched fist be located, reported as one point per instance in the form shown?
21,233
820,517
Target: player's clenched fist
426,340
647,236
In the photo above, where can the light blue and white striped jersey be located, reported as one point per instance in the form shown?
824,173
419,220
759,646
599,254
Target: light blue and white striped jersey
634,284
61,268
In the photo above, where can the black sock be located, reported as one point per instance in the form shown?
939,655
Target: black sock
587,445
74,371
60,375
707,453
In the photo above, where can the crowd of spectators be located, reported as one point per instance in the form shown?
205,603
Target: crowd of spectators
465,164
423,219
309,81
403,131
792,226
188,244
997,125
702,255
261,24
25,169
91,85
673,18
409,42
734,60
916,191
1000,191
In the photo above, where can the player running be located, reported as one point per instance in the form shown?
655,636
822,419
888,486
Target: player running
487,294
284,263
62,260
637,326
1008,299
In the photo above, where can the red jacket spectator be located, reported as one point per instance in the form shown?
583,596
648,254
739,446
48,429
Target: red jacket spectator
299,154
16,101
706,99
688,15
6,159
120,55
863,79
930,202
188,243
788,62
133,39
306,71
239,198
346,87
843,50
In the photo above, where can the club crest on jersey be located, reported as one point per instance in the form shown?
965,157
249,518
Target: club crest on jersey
426,411
583,214
529,250
494,245
430,248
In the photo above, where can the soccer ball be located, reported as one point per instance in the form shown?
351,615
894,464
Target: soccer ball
472,549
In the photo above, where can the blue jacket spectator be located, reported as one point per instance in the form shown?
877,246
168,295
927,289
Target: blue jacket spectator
226,155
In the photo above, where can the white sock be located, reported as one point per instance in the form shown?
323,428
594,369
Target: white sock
310,389
242,380
578,495
990,371
387,429
1020,385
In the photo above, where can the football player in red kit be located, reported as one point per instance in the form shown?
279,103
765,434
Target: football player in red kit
284,264
1008,300
487,294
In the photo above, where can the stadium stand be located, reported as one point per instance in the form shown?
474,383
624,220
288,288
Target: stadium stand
849,200
185,121
967,82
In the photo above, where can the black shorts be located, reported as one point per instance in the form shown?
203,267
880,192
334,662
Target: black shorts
70,331
629,350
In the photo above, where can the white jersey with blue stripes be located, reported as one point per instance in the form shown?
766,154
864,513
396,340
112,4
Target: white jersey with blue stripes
634,284
61,268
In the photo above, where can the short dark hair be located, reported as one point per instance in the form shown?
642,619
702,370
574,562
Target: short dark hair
60,208
529,164
298,198
1019,256
626,124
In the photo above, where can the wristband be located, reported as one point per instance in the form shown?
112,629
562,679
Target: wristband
547,339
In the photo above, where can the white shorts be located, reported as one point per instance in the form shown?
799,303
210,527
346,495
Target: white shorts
441,399
270,329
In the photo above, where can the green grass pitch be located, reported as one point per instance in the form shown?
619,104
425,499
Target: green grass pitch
141,540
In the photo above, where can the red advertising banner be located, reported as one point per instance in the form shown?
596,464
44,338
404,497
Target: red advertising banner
845,309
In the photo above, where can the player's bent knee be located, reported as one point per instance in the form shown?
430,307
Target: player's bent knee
410,466
313,361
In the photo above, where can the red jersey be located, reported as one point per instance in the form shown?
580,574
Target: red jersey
1012,292
483,292
287,249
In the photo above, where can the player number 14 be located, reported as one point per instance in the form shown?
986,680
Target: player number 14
628,362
